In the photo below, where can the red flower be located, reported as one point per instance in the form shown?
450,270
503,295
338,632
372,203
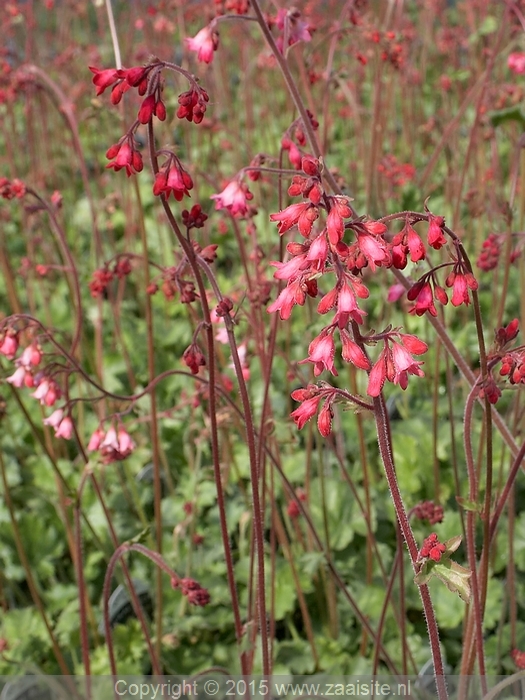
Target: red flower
460,281
325,418
192,104
173,179
306,410
194,358
432,548
104,78
435,236
125,155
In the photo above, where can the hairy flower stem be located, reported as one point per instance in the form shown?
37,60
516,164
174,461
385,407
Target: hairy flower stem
464,368
294,92
157,485
474,629
385,450
212,400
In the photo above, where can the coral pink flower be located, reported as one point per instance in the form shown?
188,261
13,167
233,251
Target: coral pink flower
373,248
204,43
460,282
424,299
435,236
95,440
395,292
290,269
32,356
318,253
55,418
47,392
9,345
324,419
18,378
415,244
125,443
306,410
321,352
234,197
516,62
303,214
65,429
291,295
125,155
351,352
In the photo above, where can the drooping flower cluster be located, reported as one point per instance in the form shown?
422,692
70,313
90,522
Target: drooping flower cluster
194,592
102,277
428,510
512,362
490,253
28,375
114,445
326,252
172,178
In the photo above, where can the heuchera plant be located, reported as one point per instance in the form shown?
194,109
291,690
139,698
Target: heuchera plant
332,254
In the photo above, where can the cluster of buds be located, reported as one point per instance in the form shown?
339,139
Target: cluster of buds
428,510
194,218
293,510
9,189
394,171
432,548
124,154
490,253
194,358
194,592
172,178
512,362
113,445
295,138
105,275
192,104
146,79
326,250
310,399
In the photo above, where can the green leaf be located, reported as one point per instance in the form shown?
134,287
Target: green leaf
452,544
510,114
469,505
455,577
